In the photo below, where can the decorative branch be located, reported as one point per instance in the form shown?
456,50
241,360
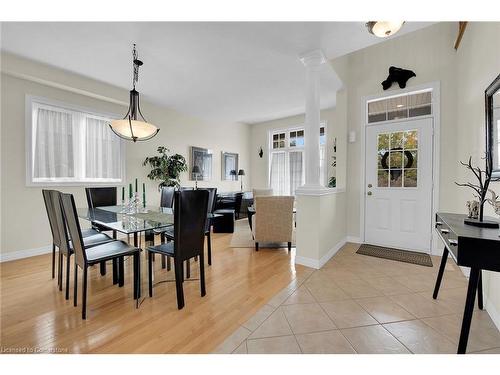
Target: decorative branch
483,177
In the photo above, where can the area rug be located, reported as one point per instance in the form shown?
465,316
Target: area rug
396,254
242,237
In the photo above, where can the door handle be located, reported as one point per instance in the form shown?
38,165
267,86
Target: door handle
370,185
369,193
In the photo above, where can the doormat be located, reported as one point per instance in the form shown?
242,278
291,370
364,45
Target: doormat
396,254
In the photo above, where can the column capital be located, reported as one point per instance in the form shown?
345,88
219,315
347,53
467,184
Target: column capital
313,58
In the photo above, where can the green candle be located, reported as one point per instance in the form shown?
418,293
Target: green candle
136,186
144,195
130,191
123,193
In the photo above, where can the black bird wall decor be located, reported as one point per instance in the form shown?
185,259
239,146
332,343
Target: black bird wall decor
399,75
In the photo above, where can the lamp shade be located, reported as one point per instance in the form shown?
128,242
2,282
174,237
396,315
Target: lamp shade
241,172
196,170
383,29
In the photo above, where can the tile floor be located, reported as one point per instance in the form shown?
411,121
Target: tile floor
361,304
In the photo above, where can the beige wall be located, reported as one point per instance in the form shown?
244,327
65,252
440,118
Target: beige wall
478,63
428,52
23,218
336,127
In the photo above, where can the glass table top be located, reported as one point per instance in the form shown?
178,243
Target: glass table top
115,218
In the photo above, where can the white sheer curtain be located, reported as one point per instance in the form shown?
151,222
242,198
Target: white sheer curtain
102,154
69,146
53,149
278,173
296,171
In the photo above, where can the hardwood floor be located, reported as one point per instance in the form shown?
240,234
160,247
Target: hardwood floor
35,316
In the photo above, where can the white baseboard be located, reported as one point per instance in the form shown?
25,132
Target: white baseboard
353,239
492,312
20,254
318,263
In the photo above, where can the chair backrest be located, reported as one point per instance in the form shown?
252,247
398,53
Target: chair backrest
212,193
49,207
167,196
273,218
60,221
262,192
190,213
101,196
186,188
75,232
238,198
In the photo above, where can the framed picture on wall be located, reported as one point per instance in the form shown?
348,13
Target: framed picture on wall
229,166
202,158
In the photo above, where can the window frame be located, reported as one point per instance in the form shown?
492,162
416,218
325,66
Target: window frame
287,149
29,145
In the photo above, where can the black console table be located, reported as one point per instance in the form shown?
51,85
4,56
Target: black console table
469,246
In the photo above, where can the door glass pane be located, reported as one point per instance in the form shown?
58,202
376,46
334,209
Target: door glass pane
411,140
397,140
396,159
383,178
396,178
410,178
411,159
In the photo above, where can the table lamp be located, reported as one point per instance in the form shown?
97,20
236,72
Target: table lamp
241,173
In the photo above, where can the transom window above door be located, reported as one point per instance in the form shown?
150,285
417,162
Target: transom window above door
397,154
410,105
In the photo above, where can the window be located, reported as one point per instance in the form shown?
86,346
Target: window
402,106
68,146
286,164
398,159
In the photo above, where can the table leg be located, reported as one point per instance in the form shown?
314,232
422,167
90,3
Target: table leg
480,291
440,273
469,308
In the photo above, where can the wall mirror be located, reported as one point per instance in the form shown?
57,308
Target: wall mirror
492,101
229,167
201,158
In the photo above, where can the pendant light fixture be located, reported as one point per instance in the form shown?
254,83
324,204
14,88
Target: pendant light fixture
134,127
383,29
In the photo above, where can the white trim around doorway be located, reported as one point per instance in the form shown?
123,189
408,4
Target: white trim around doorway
436,248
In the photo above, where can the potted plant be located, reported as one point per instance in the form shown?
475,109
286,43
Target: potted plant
166,168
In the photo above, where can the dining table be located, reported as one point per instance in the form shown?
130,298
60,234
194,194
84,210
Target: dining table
132,221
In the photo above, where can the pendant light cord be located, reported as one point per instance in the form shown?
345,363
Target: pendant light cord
136,63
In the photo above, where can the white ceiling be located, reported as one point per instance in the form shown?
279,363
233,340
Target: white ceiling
234,72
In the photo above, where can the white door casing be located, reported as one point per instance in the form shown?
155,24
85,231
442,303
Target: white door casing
398,205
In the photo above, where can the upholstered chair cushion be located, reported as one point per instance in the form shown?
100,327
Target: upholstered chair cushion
273,220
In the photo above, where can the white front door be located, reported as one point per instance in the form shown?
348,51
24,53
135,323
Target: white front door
398,184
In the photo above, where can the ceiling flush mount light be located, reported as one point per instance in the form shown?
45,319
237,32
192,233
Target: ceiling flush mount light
383,29
134,127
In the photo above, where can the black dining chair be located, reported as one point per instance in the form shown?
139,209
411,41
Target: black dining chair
169,231
190,214
167,196
101,197
56,239
66,245
47,199
85,257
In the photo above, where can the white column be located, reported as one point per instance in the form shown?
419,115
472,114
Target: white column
312,61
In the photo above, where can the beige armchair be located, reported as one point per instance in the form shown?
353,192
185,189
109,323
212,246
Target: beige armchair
273,220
